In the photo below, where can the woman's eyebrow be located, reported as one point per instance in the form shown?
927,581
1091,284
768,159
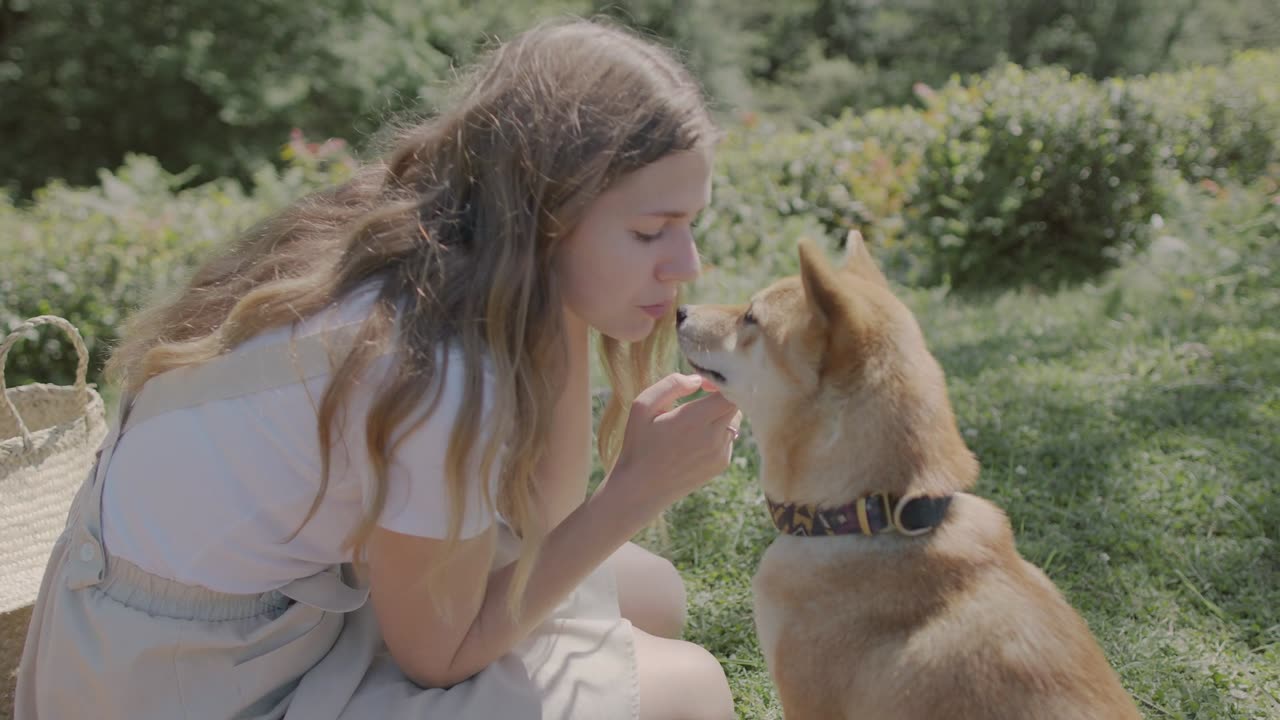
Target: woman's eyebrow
673,214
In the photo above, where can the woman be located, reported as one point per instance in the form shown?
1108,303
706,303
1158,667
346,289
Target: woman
349,476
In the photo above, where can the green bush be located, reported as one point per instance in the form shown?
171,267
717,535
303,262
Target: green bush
857,173
1013,177
93,255
1218,123
1035,177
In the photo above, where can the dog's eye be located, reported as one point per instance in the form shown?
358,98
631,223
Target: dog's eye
748,318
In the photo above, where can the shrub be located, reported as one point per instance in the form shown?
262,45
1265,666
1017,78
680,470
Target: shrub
857,173
92,255
1217,123
1033,177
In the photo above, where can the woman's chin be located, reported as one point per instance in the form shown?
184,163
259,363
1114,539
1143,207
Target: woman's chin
630,333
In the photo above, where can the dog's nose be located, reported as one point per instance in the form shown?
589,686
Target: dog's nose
682,312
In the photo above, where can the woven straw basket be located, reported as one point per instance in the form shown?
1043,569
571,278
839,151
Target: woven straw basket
48,437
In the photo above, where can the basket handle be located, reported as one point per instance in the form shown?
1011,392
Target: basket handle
82,367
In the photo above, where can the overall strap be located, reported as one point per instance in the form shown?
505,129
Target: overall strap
240,372
245,372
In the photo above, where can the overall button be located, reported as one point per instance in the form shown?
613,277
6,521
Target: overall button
87,552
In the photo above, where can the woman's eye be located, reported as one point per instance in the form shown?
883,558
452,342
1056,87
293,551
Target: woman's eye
646,237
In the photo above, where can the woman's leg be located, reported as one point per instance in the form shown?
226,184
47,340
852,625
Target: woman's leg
680,680
650,591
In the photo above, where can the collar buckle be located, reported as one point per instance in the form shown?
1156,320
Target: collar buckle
923,513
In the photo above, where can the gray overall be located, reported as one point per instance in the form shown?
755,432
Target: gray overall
109,640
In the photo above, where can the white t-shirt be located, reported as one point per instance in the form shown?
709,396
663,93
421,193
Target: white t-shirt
206,495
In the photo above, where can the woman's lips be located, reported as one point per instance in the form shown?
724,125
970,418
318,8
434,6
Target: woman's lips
656,311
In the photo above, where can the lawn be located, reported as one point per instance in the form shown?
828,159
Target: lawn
1131,430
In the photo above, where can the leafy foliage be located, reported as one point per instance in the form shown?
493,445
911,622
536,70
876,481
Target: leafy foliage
214,86
1016,177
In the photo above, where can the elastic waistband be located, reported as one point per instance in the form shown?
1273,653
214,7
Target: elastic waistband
134,587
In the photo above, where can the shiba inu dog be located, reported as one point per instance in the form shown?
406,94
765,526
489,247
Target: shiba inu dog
889,592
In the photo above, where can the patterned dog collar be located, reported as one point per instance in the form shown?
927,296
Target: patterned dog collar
868,515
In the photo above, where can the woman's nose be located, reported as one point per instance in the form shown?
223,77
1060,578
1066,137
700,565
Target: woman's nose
684,264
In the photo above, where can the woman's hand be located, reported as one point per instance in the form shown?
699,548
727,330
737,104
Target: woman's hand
672,451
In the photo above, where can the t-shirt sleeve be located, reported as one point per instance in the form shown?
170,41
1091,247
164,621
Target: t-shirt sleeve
418,501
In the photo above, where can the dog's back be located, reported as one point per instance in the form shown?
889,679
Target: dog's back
953,625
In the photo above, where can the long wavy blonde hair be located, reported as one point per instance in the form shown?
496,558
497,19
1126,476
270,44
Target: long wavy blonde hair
461,220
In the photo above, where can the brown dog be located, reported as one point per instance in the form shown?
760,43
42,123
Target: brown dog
890,593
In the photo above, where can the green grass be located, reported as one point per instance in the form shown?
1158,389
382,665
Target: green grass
1131,430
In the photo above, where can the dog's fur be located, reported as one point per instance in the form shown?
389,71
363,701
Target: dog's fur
844,399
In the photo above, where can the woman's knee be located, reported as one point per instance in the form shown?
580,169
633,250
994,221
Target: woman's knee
651,593
680,680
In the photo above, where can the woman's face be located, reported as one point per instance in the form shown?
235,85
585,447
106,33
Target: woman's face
622,264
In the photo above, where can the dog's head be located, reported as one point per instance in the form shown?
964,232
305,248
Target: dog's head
832,372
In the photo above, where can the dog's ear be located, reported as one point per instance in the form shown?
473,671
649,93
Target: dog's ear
821,282
858,260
